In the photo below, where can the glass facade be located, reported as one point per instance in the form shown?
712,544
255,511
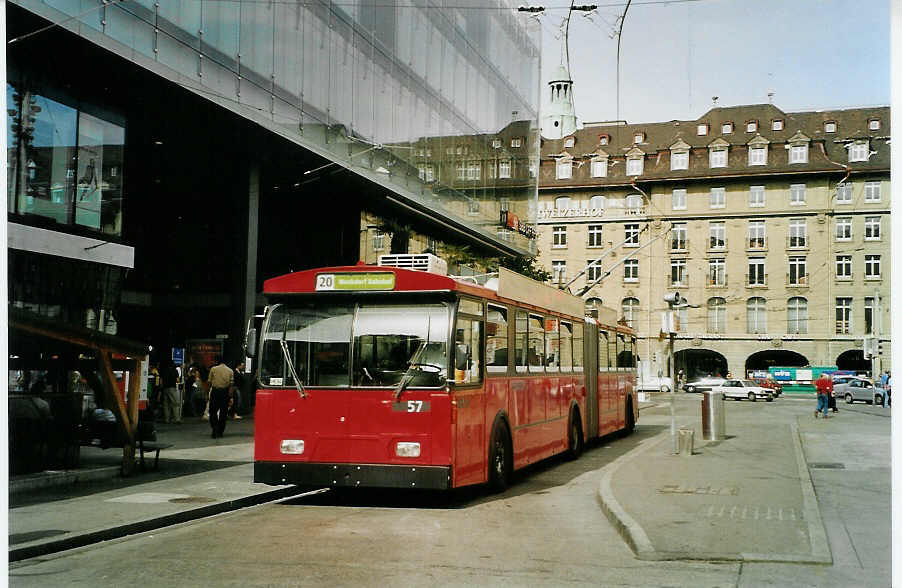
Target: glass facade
384,90
64,165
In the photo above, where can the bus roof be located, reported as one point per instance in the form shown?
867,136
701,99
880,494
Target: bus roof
370,278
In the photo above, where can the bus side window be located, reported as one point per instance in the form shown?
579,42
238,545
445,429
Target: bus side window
578,347
520,340
468,351
612,351
603,364
552,343
536,346
566,347
496,345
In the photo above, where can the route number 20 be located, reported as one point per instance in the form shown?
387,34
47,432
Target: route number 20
325,282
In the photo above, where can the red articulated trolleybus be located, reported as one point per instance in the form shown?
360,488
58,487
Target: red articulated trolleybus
382,376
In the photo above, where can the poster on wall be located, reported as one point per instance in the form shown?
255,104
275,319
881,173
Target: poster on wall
203,351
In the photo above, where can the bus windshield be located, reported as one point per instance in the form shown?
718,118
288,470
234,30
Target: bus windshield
361,345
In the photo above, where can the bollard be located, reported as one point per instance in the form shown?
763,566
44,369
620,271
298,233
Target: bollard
713,418
687,441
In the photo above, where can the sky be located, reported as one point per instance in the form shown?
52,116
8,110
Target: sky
676,55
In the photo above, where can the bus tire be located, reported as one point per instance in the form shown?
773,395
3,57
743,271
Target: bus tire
630,419
501,459
574,436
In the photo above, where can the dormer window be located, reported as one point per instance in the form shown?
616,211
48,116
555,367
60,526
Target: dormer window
679,160
751,126
718,157
758,155
638,138
798,154
564,169
603,139
830,126
777,124
496,143
702,129
568,142
634,166
599,167
858,151
874,124
518,142
726,128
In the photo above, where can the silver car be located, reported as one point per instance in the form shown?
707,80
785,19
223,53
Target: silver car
703,384
853,388
739,389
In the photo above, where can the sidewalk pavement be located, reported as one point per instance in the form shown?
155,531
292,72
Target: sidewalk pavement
197,477
748,497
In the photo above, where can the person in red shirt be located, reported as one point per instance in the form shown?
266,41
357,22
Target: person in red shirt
824,386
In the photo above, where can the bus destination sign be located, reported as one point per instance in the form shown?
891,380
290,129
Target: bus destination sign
356,281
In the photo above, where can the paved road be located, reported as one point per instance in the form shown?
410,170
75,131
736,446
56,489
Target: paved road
547,529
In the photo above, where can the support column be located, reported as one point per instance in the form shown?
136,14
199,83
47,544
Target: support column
245,291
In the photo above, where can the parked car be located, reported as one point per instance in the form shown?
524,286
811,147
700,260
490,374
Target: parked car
774,385
703,384
739,389
855,388
654,384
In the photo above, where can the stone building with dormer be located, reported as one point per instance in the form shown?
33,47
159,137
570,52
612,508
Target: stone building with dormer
773,225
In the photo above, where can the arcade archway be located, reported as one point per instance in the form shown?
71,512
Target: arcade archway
853,361
697,363
774,358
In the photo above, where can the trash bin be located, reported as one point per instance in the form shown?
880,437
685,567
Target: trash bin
687,441
713,419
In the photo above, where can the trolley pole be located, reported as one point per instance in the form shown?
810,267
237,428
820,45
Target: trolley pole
672,299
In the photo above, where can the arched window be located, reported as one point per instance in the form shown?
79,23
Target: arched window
630,310
797,315
756,313
633,204
597,202
717,315
563,202
594,302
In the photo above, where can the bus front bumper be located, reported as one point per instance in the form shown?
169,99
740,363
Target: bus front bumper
352,475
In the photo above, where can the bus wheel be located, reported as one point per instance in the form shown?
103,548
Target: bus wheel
574,436
630,419
500,459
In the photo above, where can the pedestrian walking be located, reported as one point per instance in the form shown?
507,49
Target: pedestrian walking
240,380
824,385
172,403
887,380
222,382
155,384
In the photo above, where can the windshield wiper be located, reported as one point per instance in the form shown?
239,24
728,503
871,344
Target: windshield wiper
294,374
408,375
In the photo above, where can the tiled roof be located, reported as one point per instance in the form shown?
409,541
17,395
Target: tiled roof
824,148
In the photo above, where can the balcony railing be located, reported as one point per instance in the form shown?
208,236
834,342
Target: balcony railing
679,244
716,281
756,280
757,244
717,244
682,281
797,281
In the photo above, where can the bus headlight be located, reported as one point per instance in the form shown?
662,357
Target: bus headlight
405,449
292,446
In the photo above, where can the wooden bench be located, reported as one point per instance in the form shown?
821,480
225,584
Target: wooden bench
141,446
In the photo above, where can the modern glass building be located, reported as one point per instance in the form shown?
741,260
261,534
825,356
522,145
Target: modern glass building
286,117
165,157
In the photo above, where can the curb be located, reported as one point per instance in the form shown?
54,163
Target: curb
53,479
90,537
635,537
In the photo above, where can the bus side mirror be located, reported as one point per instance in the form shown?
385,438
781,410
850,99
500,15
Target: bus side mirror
461,356
250,343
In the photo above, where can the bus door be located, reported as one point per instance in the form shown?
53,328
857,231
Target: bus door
537,387
499,359
559,387
469,396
